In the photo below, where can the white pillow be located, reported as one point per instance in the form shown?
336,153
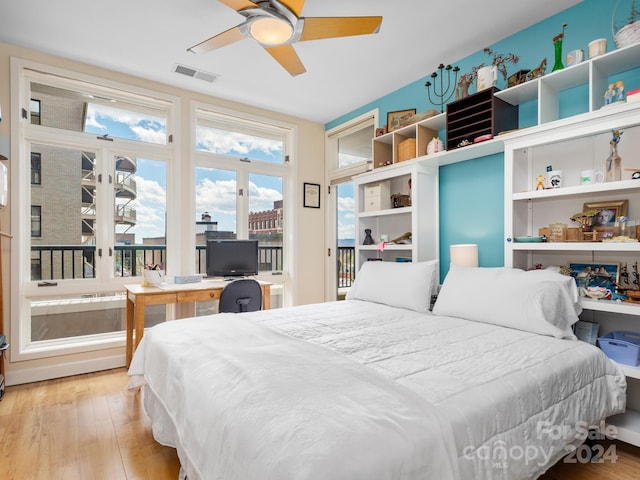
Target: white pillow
537,301
398,284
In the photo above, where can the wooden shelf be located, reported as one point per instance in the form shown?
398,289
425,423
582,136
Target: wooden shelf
479,114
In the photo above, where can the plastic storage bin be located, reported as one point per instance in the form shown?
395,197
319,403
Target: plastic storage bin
622,347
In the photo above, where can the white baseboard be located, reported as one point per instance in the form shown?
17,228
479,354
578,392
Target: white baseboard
37,374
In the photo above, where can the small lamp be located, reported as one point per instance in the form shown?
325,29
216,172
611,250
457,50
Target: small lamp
465,254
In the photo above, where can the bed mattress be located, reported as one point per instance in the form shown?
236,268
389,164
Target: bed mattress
357,389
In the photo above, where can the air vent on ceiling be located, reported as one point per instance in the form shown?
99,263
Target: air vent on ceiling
194,73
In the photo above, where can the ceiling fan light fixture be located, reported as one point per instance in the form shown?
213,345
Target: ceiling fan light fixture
271,31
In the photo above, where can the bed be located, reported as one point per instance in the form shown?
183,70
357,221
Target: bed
487,386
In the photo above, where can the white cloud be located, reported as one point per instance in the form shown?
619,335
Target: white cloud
149,135
262,198
216,197
346,204
224,142
151,192
346,230
93,122
144,127
150,206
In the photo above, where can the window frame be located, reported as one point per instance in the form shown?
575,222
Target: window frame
336,175
286,170
23,72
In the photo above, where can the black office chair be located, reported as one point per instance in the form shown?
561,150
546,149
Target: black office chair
242,295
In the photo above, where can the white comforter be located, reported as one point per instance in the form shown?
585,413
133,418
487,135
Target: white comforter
394,395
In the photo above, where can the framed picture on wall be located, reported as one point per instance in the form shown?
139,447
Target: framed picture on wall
399,119
311,195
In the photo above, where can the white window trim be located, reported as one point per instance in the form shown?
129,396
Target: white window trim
334,176
23,72
287,170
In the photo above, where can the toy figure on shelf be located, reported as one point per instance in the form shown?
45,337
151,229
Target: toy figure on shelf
540,180
619,91
609,94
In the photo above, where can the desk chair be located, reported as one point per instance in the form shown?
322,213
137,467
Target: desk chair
243,295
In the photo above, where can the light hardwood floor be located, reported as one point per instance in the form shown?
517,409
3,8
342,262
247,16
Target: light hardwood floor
90,427
84,427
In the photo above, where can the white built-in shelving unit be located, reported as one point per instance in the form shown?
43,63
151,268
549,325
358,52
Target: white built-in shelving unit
572,146
569,144
394,222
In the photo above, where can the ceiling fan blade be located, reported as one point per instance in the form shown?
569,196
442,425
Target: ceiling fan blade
222,39
316,28
286,56
238,5
294,5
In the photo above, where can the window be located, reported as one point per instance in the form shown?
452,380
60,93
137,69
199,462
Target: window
242,176
349,150
97,209
36,168
249,141
109,113
36,221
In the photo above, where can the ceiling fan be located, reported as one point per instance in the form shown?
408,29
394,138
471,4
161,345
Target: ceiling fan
277,25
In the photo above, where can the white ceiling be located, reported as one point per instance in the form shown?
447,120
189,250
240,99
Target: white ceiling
147,38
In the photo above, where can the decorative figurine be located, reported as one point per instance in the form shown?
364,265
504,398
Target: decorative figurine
540,180
613,162
614,93
609,95
619,91
368,239
539,71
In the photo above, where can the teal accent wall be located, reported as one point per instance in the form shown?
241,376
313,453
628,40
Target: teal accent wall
471,192
472,209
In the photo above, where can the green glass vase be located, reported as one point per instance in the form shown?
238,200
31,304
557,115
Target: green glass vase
557,45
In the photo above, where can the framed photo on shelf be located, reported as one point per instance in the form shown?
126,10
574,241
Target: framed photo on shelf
590,274
399,119
311,196
608,212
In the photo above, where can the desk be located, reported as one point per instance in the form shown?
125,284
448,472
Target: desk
138,297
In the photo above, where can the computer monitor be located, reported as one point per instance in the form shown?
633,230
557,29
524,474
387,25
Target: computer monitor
232,258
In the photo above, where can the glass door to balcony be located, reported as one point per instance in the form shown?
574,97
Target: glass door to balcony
76,259
345,238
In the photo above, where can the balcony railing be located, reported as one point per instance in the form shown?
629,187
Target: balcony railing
124,214
346,266
60,262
